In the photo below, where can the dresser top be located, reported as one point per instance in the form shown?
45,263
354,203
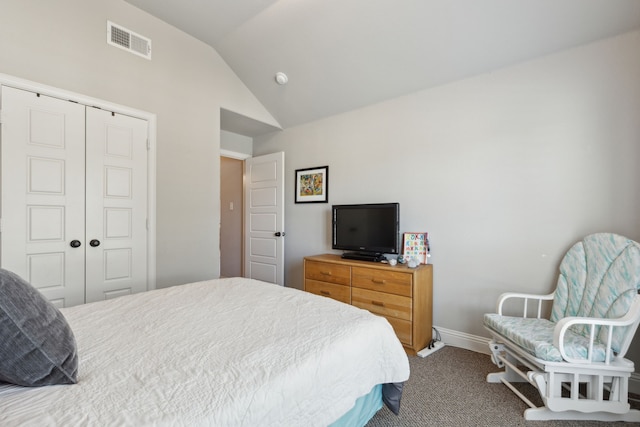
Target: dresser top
337,259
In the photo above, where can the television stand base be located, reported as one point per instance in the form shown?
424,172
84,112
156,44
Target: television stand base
363,256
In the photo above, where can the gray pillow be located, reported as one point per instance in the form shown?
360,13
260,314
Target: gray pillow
37,346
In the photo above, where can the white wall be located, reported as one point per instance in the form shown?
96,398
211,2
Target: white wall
230,141
505,171
62,43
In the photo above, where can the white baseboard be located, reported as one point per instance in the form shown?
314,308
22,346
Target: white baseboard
481,345
464,340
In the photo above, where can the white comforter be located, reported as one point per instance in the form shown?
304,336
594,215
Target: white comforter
228,352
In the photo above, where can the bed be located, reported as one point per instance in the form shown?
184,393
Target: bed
226,352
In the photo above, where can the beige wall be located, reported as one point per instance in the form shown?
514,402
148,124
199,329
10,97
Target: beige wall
505,171
62,43
231,206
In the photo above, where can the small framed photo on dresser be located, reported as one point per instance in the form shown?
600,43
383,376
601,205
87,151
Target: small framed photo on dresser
416,245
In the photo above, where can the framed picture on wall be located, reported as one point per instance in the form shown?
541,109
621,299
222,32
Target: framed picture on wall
312,185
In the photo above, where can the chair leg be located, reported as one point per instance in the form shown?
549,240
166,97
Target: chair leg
507,375
497,350
502,359
540,382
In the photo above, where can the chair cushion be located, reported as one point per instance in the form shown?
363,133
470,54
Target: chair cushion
536,337
37,346
599,277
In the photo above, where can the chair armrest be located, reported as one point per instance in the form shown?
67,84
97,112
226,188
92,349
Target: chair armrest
562,326
526,297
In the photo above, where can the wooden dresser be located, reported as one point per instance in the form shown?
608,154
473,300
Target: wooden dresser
403,295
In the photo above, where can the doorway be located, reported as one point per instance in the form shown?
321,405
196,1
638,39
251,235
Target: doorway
236,145
231,209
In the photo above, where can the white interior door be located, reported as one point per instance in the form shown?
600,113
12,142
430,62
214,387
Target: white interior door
43,156
264,218
116,219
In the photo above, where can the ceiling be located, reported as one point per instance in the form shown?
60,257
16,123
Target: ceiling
340,55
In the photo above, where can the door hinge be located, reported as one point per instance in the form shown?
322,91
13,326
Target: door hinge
148,144
147,223
1,117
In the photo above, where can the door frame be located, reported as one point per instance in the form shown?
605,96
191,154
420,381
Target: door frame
244,156
18,83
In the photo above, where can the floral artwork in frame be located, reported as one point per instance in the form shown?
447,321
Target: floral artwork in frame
312,185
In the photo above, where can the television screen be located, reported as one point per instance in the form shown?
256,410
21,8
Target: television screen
367,228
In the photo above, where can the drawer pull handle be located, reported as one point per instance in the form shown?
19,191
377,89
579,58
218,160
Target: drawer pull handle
380,304
327,293
378,281
326,273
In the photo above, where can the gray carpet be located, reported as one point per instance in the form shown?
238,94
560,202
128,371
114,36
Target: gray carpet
449,388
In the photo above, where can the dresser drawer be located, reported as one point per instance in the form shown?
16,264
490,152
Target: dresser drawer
402,328
326,272
337,292
388,305
382,280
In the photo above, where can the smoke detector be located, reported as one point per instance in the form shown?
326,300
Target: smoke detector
281,78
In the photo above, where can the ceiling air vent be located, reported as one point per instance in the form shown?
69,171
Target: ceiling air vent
128,40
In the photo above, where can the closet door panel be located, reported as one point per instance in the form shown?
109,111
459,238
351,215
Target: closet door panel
43,190
116,205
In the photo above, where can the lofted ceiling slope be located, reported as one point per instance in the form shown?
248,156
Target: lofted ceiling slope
340,55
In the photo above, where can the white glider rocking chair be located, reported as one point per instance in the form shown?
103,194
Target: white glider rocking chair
575,358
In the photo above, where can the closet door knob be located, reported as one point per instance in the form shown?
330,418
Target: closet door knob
75,243
94,243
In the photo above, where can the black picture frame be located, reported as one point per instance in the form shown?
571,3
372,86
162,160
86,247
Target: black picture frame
312,185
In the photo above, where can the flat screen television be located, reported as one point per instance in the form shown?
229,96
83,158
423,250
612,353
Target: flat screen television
367,230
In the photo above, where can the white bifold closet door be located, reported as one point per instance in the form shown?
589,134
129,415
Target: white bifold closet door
74,198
